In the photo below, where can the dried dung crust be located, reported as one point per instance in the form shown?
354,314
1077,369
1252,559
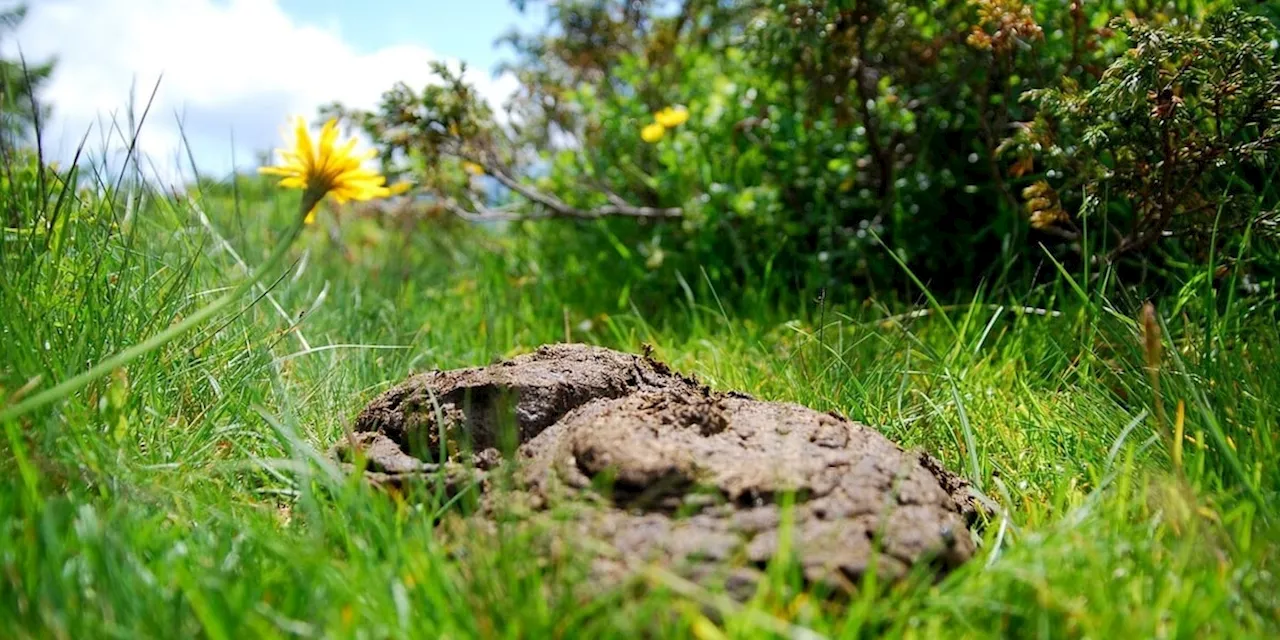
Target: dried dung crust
666,470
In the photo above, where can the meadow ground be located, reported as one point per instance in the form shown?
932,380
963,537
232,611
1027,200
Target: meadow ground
185,495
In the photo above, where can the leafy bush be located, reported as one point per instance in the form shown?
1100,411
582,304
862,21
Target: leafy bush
1185,126
802,135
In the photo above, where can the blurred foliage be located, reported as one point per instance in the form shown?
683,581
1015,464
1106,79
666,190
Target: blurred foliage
960,134
35,196
20,83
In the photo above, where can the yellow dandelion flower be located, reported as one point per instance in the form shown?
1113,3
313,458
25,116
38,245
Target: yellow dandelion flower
672,116
653,132
326,168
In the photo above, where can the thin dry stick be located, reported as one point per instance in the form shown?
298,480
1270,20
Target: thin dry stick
1151,347
1179,419
923,313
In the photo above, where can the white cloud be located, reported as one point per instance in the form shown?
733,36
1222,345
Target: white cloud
237,67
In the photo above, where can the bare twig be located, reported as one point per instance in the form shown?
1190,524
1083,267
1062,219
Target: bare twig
1066,234
923,313
557,208
488,214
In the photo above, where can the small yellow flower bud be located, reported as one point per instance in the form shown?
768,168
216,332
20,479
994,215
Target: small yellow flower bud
653,132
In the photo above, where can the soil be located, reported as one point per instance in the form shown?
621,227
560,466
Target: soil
654,466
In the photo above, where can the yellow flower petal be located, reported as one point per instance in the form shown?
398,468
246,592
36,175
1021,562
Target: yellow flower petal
653,132
303,146
672,116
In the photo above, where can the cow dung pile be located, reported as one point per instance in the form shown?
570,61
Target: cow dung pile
659,468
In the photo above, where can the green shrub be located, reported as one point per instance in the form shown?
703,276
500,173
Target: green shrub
818,130
1184,128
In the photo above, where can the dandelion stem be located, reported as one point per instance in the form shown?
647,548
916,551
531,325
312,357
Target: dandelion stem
121,358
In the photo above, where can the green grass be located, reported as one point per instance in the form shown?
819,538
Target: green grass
187,494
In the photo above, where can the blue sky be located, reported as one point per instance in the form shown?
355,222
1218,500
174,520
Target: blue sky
237,69
465,29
